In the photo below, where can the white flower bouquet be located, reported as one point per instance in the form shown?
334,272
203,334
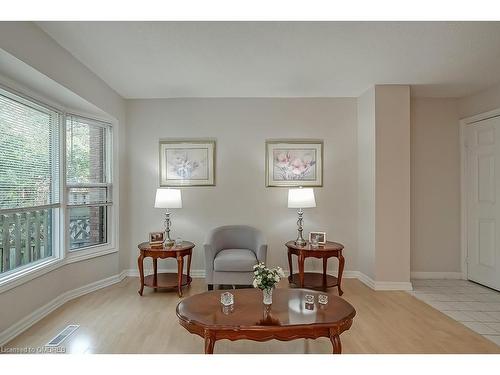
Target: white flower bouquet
266,278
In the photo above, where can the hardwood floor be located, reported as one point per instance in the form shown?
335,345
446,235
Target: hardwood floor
117,320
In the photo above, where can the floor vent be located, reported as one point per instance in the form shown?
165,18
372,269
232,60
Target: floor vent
63,335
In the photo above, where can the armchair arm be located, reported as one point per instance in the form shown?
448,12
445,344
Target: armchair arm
262,253
209,262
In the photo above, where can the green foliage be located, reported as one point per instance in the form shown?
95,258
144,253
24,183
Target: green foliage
29,155
77,153
266,278
25,155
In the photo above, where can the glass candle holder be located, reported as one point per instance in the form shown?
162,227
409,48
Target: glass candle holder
226,310
309,298
227,299
314,242
323,299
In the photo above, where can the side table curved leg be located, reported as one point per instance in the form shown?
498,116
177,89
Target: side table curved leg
290,266
209,342
335,340
301,270
155,269
180,268
189,268
140,264
325,266
341,270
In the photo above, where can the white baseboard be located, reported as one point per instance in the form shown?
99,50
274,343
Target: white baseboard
375,285
25,323
200,274
437,275
384,285
393,285
368,281
345,274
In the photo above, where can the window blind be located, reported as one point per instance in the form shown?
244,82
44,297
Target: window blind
29,153
88,180
86,150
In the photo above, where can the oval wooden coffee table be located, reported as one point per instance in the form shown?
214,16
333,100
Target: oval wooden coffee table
288,318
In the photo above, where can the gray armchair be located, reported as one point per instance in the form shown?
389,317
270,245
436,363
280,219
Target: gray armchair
231,252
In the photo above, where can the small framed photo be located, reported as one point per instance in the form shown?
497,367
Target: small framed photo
318,237
156,239
189,162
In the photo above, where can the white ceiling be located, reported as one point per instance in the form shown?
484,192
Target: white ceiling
284,59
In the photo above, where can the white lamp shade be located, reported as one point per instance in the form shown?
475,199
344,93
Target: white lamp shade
301,198
168,198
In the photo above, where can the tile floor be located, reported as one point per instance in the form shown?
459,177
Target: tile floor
473,305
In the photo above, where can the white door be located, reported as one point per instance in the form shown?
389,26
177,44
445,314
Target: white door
482,144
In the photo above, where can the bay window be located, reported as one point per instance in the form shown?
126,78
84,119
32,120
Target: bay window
50,209
29,181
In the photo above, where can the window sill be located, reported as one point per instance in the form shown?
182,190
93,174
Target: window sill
24,275
19,277
90,252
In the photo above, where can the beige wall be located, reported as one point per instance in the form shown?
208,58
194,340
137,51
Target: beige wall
19,302
435,160
35,48
366,183
392,183
241,127
384,184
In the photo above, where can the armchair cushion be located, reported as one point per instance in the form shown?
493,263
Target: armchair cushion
235,260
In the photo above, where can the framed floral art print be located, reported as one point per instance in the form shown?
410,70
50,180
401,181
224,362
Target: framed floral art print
187,162
294,163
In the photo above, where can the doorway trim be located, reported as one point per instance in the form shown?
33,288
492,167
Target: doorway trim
463,197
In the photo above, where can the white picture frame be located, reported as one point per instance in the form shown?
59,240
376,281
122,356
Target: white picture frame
321,236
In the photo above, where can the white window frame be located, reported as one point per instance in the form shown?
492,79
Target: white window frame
61,252
109,246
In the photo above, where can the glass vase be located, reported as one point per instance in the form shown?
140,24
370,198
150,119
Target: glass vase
267,296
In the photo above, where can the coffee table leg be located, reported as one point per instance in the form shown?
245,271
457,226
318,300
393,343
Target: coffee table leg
140,264
341,269
335,339
209,342
180,268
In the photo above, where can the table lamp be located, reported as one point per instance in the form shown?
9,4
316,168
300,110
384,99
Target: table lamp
168,198
301,198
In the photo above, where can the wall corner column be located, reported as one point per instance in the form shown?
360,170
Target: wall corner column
384,186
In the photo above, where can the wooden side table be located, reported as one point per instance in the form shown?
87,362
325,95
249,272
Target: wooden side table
165,280
314,280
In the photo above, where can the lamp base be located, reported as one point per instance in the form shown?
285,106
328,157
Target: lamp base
169,243
300,242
